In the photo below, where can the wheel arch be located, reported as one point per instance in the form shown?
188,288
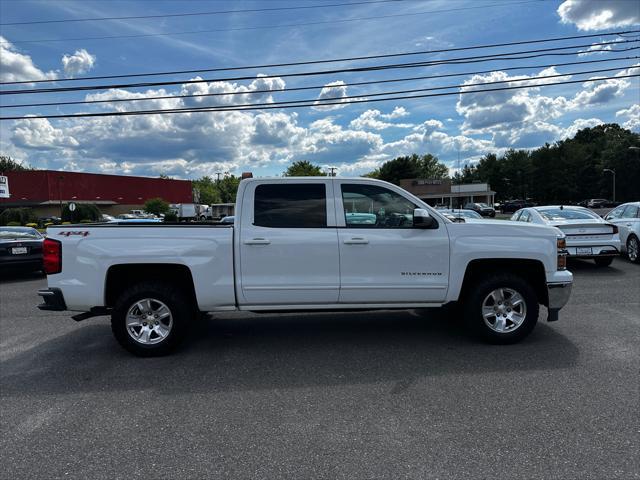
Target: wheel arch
121,277
530,270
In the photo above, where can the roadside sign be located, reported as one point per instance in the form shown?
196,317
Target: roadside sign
4,187
72,207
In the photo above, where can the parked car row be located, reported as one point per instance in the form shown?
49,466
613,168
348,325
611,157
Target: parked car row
587,234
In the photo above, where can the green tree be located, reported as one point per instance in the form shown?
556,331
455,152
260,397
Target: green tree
303,168
207,190
217,191
7,164
413,166
156,206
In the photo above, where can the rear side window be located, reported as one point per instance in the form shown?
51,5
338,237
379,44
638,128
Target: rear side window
631,211
290,205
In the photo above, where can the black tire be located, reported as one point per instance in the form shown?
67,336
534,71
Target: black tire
635,258
481,289
177,302
603,261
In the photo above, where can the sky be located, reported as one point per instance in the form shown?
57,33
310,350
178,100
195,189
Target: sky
354,137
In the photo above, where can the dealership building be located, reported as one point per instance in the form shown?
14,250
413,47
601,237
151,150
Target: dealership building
442,192
47,190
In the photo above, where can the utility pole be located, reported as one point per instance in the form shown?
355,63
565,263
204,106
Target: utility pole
613,172
332,171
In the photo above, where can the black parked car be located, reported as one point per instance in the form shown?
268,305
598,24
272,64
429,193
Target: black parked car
20,248
481,208
512,206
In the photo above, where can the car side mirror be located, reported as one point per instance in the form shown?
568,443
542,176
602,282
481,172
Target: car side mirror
422,219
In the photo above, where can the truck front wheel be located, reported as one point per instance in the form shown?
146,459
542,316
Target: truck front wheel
151,318
502,309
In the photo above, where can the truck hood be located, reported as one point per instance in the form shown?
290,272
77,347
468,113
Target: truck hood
472,227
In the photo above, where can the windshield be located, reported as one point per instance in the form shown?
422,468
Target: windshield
20,233
553,214
484,205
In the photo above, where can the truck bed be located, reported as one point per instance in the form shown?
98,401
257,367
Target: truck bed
90,250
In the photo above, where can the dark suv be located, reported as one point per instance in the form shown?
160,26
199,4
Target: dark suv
482,208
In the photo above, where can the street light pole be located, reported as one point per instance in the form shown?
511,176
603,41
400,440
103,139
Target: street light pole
613,172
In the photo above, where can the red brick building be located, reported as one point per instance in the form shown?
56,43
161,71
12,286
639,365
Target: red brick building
45,190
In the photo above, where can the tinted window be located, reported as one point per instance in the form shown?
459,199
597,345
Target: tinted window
291,205
371,206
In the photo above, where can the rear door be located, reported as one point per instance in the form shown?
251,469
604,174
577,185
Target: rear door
288,243
383,259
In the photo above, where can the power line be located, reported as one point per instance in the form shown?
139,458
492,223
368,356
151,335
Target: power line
311,103
459,60
198,14
333,60
286,25
318,87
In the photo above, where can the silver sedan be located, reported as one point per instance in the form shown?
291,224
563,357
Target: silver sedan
627,218
587,234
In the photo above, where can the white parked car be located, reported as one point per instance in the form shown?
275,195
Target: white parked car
588,235
627,218
306,244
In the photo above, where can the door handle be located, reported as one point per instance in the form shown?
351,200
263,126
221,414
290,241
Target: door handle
356,241
628,224
257,241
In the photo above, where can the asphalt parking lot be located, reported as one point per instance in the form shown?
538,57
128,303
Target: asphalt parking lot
360,395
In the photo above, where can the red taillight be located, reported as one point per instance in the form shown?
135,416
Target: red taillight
52,256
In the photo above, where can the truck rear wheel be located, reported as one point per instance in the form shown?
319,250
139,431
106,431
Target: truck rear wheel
502,309
151,318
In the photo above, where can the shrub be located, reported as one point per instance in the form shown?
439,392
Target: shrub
32,225
170,217
18,216
86,220
156,206
13,224
82,211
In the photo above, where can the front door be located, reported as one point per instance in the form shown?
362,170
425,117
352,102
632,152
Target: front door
383,259
288,251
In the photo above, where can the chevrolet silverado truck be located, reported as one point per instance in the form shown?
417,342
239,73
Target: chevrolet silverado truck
306,244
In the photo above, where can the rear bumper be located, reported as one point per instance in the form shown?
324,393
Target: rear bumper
53,300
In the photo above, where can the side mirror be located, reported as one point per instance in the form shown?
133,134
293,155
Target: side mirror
422,219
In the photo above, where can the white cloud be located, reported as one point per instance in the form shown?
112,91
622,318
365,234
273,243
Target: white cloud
17,67
599,14
78,63
39,134
580,124
600,92
336,90
633,117
372,120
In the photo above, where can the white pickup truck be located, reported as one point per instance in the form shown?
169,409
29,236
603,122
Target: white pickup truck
306,244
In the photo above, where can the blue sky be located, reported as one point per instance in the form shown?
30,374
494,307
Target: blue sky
355,138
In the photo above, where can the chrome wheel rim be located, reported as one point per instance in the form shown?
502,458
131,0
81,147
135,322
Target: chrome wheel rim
632,249
149,321
504,310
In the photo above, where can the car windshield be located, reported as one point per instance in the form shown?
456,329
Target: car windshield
553,214
464,213
484,205
20,233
